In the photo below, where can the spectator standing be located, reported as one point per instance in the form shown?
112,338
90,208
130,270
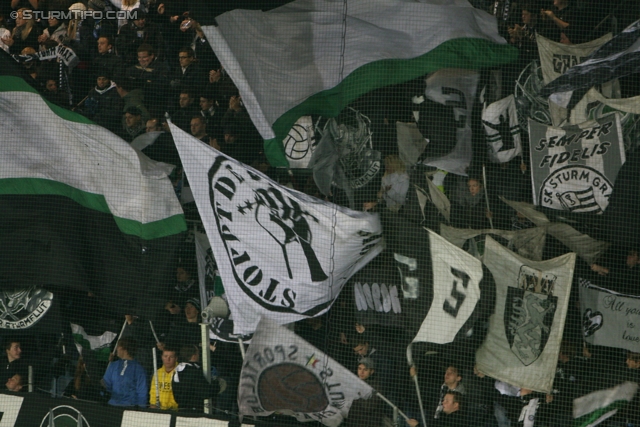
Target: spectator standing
199,130
103,105
106,61
165,377
190,388
186,111
136,33
188,75
125,378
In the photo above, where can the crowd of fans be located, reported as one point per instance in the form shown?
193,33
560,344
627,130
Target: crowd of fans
134,73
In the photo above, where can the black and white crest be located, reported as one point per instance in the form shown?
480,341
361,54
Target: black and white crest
529,312
23,308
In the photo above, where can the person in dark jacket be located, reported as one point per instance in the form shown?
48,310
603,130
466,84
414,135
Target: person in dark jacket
190,387
103,105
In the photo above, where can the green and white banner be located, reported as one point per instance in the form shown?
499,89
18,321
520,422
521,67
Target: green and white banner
316,56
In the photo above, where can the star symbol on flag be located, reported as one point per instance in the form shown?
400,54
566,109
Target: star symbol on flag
248,206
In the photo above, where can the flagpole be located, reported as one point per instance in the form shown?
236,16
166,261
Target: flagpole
206,362
486,196
154,332
241,344
394,407
124,325
155,376
415,380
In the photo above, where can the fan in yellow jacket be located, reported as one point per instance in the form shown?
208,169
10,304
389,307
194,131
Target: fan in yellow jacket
165,375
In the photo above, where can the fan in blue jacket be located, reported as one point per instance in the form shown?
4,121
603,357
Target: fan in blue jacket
126,379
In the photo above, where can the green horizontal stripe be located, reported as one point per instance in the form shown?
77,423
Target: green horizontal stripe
589,418
467,53
152,230
16,84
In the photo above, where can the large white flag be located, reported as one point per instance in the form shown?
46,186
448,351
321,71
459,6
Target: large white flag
316,56
525,331
592,409
280,253
456,291
284,373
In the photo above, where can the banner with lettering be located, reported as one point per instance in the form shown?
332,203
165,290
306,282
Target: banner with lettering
280,253
376,293
610,319
284,373
525,330
23,309
574,167
557,58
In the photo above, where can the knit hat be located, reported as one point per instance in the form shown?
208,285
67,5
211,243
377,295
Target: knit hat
194,302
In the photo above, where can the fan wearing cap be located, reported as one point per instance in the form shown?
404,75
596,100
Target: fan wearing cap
187,330
103,104
366,412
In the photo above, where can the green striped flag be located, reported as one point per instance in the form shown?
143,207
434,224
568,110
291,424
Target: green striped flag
80,208
316,56
594,408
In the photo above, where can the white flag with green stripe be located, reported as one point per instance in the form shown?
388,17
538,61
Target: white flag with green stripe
316,56
98,343
594,408
48,150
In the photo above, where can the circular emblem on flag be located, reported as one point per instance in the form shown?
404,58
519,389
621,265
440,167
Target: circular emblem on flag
23,308
252,215
64,416
577,189
288,386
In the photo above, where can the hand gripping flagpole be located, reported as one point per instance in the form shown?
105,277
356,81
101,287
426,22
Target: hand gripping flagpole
155,376
415,380
124,325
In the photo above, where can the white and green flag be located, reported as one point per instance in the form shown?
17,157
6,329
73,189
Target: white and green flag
98,343
316,56
593,408
80,207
